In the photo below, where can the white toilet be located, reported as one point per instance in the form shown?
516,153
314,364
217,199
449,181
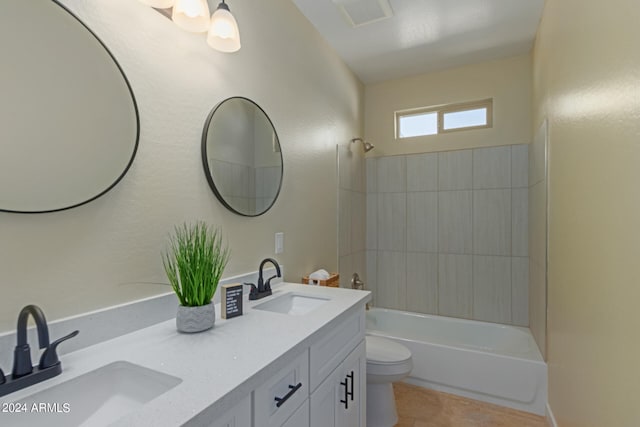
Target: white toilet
387,361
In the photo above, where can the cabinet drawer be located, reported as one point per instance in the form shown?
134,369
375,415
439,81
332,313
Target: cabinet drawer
331,349
282,394
238,416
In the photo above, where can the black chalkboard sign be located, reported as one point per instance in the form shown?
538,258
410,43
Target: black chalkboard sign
231,300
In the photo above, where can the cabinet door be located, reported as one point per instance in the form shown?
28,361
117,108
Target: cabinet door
300,418
339,400
351,389
324,402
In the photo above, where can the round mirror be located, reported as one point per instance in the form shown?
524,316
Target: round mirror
68,119
241,156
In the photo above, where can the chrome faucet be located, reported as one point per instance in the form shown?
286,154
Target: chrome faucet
358,284
264,288
24,373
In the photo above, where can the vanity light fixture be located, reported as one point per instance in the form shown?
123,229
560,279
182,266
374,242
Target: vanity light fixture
193,16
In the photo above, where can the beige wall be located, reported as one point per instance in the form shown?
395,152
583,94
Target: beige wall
507,81
587,83
99,254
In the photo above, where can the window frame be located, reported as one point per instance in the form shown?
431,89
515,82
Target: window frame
441,110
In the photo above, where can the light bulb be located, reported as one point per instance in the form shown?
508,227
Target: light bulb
191,15
223,32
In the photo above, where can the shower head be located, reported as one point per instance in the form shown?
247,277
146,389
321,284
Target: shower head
366,145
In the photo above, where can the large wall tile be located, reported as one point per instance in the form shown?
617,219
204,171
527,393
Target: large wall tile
422,282
372,221
455,222
358,221
371,276
358,265
492,167
537,222
392,221
455,285
344,222
392,174
371,168
492,288
358,171
492,222
391,280
520,165
520,291
437,235
422,172
345,269
455,170
520,221
422,222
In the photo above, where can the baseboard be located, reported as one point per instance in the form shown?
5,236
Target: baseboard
551,420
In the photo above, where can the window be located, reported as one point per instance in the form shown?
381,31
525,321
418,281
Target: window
444,118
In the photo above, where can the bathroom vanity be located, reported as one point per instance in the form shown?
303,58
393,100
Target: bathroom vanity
294,359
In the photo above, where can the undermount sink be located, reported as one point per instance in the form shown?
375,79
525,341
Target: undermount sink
97,398
292,303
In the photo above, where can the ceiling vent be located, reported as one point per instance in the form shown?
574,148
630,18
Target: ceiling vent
362,12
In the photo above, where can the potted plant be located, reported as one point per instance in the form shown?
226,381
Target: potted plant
194,264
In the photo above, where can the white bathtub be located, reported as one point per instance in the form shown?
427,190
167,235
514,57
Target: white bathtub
494,363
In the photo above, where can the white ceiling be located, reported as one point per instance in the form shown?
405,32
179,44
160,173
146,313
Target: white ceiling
426,35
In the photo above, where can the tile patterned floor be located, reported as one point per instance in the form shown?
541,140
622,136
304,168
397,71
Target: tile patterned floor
420,407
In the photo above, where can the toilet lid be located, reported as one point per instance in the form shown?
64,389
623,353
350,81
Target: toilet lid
384,351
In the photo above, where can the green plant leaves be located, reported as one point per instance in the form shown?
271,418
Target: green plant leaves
194,262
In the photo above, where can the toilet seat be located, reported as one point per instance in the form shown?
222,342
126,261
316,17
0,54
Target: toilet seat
387,361
382,351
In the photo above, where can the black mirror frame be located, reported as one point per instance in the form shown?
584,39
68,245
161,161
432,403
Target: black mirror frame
205,162
135,107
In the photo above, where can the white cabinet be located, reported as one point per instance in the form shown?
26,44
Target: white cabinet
340,400
324,385
238,416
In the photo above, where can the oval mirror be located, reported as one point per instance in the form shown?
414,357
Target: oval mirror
242,157
68,119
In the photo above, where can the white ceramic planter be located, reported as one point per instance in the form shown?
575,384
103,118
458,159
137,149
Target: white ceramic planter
195,319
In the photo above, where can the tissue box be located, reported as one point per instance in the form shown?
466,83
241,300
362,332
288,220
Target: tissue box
333,281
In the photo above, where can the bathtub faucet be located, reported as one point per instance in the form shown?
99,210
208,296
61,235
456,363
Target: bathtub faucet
358,284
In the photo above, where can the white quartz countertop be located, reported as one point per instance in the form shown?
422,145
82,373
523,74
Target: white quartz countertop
217,367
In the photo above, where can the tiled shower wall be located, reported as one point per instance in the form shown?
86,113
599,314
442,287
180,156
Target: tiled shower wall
447,233
351,213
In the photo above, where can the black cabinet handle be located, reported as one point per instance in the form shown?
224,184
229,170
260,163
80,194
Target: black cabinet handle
293,389
346,394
